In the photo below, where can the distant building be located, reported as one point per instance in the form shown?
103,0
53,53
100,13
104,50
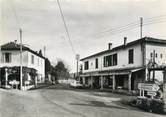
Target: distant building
124,66
33,64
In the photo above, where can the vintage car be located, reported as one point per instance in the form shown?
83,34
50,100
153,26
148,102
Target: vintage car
76,84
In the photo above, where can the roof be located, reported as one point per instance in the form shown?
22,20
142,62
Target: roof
11,46
139,41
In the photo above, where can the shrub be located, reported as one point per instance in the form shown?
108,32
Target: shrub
154,105
157,105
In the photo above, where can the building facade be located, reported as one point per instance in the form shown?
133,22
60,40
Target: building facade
33,64
125,66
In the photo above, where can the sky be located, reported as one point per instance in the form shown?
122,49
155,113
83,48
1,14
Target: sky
90,24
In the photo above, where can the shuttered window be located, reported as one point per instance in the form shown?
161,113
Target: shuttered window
131,56
96,61
111,60
6,57
86,65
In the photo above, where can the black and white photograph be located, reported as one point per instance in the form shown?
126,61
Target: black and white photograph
82,58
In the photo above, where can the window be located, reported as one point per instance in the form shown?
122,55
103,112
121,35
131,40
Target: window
32,59
104,61
110,60
96,61
6,57
86,65
161,56
115,59
41,62
156,55
38,61
131,56
151,54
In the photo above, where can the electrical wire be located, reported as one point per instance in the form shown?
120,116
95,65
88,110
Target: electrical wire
116,30
119,27
147,21
66,28
15,15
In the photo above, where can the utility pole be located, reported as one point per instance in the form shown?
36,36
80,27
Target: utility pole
154,53
20,31
141,24
77,58
45,51
0,69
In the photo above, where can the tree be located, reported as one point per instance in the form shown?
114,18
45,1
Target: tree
59,71
49,70
62,71
47,66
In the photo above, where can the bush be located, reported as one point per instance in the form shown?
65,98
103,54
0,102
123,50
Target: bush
157,105
143,103
154,105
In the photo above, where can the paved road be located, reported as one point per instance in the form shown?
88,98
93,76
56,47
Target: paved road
59,102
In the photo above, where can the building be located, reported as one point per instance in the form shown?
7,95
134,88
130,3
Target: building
125,66
33,64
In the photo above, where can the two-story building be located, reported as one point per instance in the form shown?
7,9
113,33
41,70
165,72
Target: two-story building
124,66
33,64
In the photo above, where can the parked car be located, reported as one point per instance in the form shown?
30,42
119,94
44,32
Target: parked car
76,84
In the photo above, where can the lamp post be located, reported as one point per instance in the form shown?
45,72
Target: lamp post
20,31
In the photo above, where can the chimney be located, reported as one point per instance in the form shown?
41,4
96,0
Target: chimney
109,46
125,40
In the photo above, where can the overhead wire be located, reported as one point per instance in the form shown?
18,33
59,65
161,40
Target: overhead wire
116,30
133,25
15,14
66,28
159,16
119,27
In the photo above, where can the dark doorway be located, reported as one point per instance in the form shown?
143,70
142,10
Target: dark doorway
132,81
96,83
120,80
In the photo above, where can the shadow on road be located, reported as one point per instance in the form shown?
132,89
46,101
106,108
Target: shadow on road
98,104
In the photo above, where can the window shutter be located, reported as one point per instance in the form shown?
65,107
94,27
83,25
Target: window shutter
2,57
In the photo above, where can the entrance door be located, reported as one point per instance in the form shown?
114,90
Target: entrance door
132,81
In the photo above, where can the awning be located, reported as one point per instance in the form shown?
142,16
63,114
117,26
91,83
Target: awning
138,69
